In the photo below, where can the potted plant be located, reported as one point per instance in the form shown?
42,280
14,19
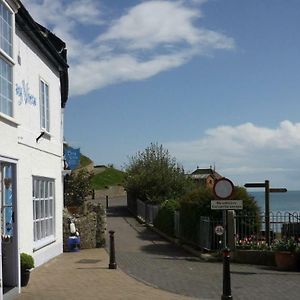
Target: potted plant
286,254
27,263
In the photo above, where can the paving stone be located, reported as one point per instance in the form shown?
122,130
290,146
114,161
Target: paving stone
144,255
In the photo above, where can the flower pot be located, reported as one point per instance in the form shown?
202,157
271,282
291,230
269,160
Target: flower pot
25,275
286,260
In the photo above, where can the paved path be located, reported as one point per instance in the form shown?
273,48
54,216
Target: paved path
145,256
85,275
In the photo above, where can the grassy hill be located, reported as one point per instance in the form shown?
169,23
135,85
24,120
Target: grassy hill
84,161
107,178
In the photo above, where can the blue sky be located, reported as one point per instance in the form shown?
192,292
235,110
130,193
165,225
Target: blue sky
216,82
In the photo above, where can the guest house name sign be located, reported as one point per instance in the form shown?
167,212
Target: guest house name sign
22,90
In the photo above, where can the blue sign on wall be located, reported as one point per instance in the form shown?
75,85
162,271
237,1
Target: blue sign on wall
72,158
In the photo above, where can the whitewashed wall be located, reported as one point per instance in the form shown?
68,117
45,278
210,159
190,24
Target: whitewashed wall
18,141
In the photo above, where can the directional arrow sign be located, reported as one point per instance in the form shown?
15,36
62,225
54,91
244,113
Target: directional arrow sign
255,185
275,190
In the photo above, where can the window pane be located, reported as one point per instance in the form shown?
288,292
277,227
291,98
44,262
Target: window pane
5,88
6,29
35,231
51,189
43,209
38,209
46,208
38,223
44,105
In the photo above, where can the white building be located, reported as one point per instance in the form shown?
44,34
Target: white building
33,93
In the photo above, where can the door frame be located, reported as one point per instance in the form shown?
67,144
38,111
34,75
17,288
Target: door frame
16,254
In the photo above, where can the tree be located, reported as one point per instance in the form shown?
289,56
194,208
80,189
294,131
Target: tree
153,175
77,187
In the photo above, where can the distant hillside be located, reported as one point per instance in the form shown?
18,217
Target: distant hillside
108,177
84,161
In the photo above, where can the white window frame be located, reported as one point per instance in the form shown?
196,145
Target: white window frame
7,58
43,204
11,26
44,105
6,97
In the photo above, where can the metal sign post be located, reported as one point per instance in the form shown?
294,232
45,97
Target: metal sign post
268,190
223,190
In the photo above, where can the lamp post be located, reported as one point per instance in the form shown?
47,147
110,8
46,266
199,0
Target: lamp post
268,190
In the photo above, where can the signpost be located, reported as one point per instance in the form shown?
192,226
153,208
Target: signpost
223,190
268,190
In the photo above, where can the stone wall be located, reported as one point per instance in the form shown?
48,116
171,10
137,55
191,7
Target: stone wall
90,221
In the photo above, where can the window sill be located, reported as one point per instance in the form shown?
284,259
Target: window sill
44,134
9,120
7,57
47,134
43,243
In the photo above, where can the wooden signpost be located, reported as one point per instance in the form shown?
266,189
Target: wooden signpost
268,190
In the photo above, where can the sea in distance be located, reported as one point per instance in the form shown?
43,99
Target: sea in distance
285,202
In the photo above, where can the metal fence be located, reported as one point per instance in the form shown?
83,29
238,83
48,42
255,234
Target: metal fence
141,209
283,225
251,229
147,212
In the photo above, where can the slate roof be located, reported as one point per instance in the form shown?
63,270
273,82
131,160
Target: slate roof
204,173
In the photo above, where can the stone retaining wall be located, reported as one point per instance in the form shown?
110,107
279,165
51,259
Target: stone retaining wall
91,224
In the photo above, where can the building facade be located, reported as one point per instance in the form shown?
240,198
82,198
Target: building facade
33,94
205,177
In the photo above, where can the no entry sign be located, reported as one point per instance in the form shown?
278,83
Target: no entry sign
223,188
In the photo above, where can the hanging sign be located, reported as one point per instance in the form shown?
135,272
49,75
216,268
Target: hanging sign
72,158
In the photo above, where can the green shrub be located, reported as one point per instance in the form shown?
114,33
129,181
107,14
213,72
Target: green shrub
285,245
154,176
164,220
198,203
27,261
192,206
77,187
190,213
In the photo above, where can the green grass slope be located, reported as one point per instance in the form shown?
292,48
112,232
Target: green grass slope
107,178
84,161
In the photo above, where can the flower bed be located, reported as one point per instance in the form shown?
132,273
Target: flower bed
254,257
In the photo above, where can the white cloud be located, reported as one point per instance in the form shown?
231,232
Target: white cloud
56,12
246,152
149,38
153,23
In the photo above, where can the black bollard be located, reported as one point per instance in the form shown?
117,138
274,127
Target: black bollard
112,256
106,201
93,194
226,276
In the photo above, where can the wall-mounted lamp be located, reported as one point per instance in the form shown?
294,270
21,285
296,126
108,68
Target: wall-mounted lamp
37,139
